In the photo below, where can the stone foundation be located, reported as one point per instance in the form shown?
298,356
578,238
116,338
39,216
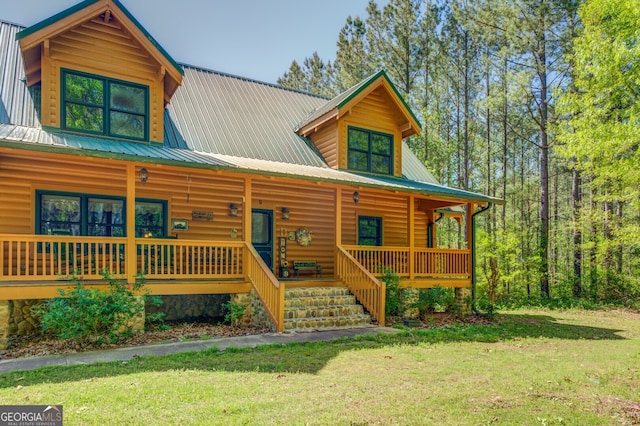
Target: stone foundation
199,307
5,314
258,315
21,322
463,299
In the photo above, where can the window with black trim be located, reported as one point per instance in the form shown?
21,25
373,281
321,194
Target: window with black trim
370,151
62,213
106,106
369,231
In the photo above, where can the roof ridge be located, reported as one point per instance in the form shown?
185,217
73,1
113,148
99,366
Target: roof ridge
252,80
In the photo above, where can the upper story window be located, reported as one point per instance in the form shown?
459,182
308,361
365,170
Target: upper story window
105,106
370,151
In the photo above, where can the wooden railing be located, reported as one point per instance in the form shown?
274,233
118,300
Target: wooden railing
445,263
52,257
47,257
266,285
163,258
369,291
379,259
414,263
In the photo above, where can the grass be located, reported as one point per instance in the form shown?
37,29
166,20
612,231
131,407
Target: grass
530,368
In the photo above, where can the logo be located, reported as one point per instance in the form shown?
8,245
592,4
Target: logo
30,415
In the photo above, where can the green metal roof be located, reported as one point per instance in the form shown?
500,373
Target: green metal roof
76,8
345,97
215,121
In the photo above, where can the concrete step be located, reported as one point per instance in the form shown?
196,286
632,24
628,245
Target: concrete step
316,291
313,308
329,311
308,324
301,302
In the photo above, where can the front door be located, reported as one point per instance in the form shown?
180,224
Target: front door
262,234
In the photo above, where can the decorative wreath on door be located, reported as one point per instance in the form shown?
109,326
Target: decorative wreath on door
304,236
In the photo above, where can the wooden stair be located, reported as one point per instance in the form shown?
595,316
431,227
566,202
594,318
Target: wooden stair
321,308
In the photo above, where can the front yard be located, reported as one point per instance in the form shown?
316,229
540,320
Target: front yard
530,367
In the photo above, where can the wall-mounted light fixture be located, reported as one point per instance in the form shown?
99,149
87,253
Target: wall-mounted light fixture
285,213
233,209
144,175
356,197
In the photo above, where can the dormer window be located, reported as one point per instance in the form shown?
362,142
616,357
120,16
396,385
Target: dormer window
105,106
370,151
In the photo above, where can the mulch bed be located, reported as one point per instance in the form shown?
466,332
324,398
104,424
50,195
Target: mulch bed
41,345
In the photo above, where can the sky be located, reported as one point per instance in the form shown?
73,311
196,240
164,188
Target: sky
256,39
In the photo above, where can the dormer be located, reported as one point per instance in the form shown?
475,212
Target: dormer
362,129
99,72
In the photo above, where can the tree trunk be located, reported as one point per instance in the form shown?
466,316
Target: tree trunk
576,200
544,166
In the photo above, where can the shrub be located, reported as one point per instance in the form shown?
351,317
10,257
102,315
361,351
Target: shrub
93,315
235,312
395,297
436,299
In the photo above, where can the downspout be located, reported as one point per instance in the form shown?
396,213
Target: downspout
473,255
430,231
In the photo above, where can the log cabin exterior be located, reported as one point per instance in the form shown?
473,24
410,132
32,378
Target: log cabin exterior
113,156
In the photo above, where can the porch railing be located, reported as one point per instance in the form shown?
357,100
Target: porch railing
367,288
267,286
163,258
50,257
414,263
47,257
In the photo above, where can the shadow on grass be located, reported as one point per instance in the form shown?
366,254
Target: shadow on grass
311,357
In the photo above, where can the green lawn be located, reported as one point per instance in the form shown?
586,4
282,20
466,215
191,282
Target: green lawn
531,368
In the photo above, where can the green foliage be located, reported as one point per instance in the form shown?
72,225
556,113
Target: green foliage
89,314
395,296
437,299
235,312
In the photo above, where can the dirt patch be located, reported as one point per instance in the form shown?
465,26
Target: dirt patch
41,345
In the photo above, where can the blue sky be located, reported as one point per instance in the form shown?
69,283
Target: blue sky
251,38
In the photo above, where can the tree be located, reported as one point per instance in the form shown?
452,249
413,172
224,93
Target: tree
351,65
601,130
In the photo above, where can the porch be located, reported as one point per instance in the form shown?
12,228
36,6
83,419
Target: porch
35,266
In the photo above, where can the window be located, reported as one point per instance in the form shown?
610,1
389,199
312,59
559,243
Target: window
100,105
96,215
369,231
150,218
370,151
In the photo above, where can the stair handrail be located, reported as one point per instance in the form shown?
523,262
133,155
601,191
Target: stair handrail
367,289
267,287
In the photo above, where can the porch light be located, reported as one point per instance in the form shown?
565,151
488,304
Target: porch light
233,209
285,213
144,175
356,197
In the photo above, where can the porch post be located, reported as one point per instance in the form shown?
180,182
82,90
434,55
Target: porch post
338,230
248,206
131,252
412,238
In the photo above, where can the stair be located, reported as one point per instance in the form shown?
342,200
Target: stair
317,308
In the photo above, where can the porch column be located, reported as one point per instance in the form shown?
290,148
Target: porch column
248,206
412,238
338,230
132,250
